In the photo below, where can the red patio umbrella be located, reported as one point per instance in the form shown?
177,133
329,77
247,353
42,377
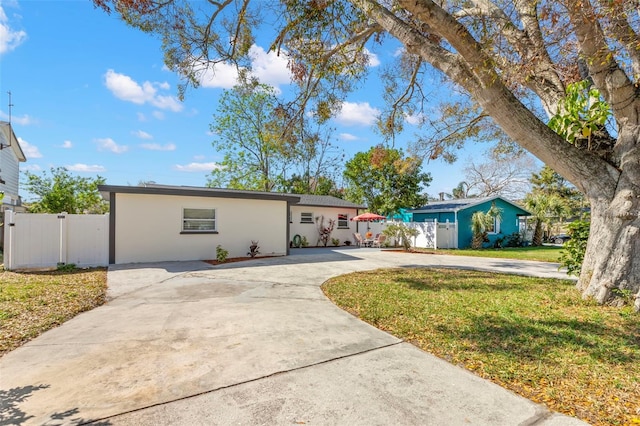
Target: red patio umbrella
367,217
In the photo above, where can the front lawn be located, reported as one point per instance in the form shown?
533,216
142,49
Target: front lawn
32,303
536,337
543,253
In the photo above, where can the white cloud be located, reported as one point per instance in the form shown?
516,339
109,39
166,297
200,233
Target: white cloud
142,134
66,145
158,115
198,157
268,67
374,61
399,51
158,147
9,38
415,119
357,114
30,151
86,168
23,120
108,144
31,168
124,87
141,117
220,76
348,137
197,167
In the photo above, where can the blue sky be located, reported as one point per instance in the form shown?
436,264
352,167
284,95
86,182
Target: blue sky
93,95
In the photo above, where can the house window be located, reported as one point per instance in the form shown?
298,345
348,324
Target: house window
495,226
306,217
343,221
198,220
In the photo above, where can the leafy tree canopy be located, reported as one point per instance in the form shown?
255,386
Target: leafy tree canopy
385,180
59,192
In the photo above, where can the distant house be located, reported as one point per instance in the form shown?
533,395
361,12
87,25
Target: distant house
304,215
454,219
11,155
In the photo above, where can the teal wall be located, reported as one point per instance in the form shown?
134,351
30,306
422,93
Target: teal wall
508,225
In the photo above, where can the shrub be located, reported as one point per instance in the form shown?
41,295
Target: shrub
401,233
304,242
572,253
221,254
514,240
335,241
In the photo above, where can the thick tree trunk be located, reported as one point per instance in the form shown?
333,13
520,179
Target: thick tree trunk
611,267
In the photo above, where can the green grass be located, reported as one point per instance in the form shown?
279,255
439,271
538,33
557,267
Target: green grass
543,254
32,303
536,337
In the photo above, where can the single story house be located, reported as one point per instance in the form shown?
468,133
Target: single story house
306,215
454,219
156,223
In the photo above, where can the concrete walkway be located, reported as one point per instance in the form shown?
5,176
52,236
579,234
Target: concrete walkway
249,343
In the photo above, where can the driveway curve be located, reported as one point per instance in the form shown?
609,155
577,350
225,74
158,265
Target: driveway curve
250,343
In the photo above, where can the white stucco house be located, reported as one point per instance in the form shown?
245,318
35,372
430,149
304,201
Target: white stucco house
156,223
311,209
11,155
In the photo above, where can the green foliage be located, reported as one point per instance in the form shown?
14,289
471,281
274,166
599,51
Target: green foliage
401,233
248,133
514,240
573,250
385,180
66,267
335,242
581,114
481,223
61,192
221,254
304,242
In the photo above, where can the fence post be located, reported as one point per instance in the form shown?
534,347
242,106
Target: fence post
62,238
9,226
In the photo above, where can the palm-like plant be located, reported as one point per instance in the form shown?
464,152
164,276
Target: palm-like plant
481,223
545,207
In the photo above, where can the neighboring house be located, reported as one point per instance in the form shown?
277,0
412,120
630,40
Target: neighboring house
454,219
162,223
304,215
11,155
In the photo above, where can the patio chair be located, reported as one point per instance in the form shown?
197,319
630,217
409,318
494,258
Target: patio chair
358,239
379,241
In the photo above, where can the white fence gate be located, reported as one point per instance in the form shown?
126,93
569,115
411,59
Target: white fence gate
447,235
48,240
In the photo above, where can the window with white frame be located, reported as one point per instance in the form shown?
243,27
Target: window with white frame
306,217
199,220
343,221
495,226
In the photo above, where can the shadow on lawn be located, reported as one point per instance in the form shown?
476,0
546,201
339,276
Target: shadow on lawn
11,414
533,339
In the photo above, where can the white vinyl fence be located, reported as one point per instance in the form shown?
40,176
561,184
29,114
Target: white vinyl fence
48,240
426,232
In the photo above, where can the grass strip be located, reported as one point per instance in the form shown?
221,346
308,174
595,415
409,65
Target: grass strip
32,303
536,337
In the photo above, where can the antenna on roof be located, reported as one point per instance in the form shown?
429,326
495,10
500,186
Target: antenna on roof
10,105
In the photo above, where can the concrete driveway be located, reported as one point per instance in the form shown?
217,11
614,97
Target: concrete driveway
249,343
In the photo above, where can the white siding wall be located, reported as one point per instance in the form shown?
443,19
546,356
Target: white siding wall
310,230
9,169
148,228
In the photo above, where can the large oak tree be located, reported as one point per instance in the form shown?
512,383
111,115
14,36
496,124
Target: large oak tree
514,58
